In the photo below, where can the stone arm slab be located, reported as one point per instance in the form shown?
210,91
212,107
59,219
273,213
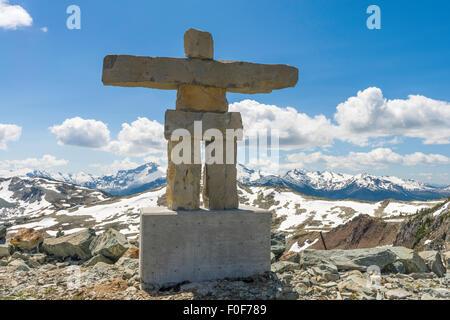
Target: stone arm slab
175,119
169,73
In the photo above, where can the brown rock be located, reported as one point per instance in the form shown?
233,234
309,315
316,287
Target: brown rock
170,73
132,252
27,239
219,187
198,44
201,98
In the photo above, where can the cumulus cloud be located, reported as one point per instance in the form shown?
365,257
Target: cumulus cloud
9,132
83,133
13,16
296,130
46,162
139,138
370,115
376,159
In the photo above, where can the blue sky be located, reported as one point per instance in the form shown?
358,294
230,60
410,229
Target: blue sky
50,77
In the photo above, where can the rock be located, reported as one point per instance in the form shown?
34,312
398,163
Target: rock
440,292
170,73
198,44
422,275
96,259
132,252
344,260
447,259
2,232
76,245
277,243
433,260
5,250
427,296
27,239
18,265
396,267
283,266
111,244
399,294
128,263
20,255
410,259
327,271
201,98
272,258
39,258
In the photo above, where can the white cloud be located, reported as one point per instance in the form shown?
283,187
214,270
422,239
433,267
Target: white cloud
140,138
376,159
83,133
13,16
44,29
296,130
370,115
47,161
9,132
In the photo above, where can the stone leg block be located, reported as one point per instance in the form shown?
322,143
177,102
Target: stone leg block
183,183
178,246
219,187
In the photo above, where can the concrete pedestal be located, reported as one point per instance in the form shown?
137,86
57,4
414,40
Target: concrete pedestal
178,246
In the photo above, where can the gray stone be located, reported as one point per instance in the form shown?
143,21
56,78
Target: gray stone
170,73
396,267
356,259
19,265
410,259
75,245
440,292
283,266
277,243
219,186
433,260
5,250
2,232
96,259
398,294
198,44
327,271
128,263
111,244
203,245
446,257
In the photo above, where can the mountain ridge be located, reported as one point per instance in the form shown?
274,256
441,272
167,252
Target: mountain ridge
324,184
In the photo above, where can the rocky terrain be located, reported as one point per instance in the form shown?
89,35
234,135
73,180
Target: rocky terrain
85,266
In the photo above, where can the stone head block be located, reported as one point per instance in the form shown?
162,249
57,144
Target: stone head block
198,44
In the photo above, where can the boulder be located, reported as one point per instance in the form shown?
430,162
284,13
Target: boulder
96,259
398,294
344,260
433,260
27,239
283,266
128,263
447,259
5,250
277,243
111,244
19,265
410,259
327,271
75,245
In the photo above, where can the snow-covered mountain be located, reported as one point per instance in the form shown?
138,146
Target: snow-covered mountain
320,184
343,186
124,182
